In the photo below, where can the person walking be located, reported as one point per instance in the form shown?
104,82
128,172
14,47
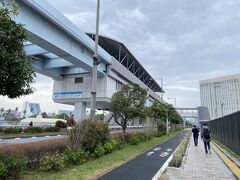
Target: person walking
206,137
195,132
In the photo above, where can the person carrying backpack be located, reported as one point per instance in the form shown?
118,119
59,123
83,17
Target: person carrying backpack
206,137
195,133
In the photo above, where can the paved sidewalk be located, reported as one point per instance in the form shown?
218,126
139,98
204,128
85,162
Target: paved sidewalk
199,166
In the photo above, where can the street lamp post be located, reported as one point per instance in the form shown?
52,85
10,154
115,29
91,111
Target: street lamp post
96,61
167,121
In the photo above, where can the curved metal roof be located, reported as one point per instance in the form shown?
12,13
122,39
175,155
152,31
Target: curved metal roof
120,52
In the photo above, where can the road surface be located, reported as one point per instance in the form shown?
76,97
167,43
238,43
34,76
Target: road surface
28,140
145,166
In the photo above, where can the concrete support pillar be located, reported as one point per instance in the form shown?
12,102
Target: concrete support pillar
80,111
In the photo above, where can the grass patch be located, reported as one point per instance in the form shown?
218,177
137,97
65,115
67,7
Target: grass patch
178,156
97,167
227,149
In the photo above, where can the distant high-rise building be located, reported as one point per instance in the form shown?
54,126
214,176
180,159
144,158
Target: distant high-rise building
30,109
221,95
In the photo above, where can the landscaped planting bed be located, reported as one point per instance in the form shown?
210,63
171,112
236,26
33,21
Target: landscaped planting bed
87,142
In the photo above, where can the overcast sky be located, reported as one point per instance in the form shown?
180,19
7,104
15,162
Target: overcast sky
181,41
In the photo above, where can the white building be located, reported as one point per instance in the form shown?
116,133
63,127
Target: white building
30,109
221,95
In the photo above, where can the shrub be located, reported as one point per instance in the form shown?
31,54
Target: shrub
11,131
116,144
33,152
142,137
60,124
3,170
88,134
52,162
10,166
108,147
158,134
52,129
162,128
99,151
134,140
75,157
33,130
118,136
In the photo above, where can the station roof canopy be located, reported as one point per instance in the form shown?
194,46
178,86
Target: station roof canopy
120,52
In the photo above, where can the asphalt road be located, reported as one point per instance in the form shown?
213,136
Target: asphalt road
28,140
145,166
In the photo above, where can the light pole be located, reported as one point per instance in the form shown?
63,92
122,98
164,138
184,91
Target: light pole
167,121
175,102
96,61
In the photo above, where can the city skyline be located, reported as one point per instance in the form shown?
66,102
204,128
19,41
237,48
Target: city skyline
180,42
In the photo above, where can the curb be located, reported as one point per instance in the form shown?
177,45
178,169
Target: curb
165,165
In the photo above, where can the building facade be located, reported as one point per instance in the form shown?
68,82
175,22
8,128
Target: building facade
29,109
221,95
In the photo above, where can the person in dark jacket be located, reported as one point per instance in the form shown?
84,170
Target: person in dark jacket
195,133
206,137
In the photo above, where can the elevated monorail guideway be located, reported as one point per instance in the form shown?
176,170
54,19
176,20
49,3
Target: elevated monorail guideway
56,46
58,49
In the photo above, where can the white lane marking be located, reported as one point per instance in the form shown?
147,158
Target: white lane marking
34,137
157,149
150,153
17,138
169,149
164,154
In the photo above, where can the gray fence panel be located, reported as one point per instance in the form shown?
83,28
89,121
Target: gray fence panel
227,131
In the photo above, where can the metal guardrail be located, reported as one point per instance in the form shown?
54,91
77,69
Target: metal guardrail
115,128
112,128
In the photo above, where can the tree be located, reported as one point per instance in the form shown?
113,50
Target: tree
99,117
44,115
61,116
71,122
16,72
128,104
158,111
2,110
